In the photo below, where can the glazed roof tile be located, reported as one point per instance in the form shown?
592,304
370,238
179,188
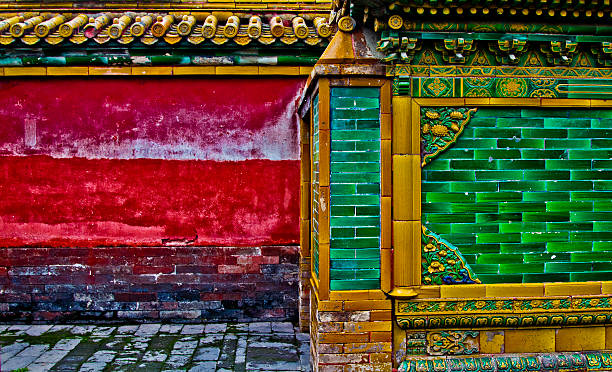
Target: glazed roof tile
149,28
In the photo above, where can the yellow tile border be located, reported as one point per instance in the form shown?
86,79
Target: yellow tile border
156,70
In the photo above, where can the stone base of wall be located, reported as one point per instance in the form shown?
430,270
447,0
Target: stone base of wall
149,284
304,294
350,335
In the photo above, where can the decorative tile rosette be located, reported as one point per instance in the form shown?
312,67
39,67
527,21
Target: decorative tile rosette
442,263
440,128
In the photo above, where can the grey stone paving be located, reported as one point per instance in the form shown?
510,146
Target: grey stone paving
220,347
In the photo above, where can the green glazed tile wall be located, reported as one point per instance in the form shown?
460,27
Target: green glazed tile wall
355,189
526,195
315,183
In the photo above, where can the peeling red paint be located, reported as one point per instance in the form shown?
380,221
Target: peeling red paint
109,162
68,202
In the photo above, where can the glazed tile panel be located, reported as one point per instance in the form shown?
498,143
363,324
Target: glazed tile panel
525,195
355,189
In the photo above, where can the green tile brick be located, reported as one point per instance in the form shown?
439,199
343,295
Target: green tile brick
522,227
602,164
436,187
450,176
591,276
602,246
568,185
368,211
342,189
546,257
368,124
535,237
605,113
342,210
563,206
485,269
497,132
590,257
452,197
602,266
355,264
522,207
523,248
569,226
566,123
544,113
440,228
478,249
566,267
546,196
498,217
597,143
482,122
554,164
525,186
470,186
449,218
566,144
354,243
369,253
496,278
564,247
521,268
356,167
501,175
354,221
602,185
546,216
545,154
522,143
474,208
601,123
356,114
352,200
370,146
498,196
498,238
436,207
357,102
495,154
519,122
498,259
367,232
354,285
359,92
591,235
599,174
478,143
548,277
355,177
533,133
592,195
355,156
344,145
469,228
342,232
368,189
344,124
592,133
591,216
457,164
455,153
494,112
521,164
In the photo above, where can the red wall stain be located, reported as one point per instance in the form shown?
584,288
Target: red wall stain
104,162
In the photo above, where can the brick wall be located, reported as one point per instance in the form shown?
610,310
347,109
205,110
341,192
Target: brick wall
149,283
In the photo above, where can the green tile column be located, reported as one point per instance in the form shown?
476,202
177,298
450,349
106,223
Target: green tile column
355,189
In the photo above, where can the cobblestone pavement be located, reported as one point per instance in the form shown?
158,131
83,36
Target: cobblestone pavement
261,346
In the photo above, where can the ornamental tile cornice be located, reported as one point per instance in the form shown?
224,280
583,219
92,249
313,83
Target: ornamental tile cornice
147,29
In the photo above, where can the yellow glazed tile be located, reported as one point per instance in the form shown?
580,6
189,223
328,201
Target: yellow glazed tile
25,71
237,70
402,136
305,70
581,338
529,341
367,305
166,70
515,290
110,71
386,168
601,103
606,287
608,338
385,126
305,238
193,70
491,342
569,289
406,187
385,222
407,253
555,102
386,260
279,70
462,291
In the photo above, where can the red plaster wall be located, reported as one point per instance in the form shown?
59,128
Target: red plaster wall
108,162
